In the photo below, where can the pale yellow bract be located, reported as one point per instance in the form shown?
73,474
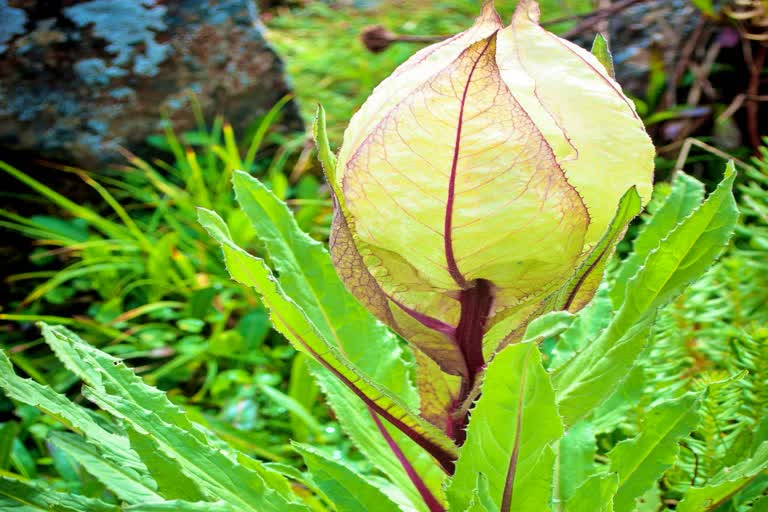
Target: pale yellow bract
498,156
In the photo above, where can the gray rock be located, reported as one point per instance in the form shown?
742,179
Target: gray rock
80,79
648,30
13,21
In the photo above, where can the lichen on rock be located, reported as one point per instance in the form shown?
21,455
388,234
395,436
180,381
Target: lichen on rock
77,82
13,23
124,24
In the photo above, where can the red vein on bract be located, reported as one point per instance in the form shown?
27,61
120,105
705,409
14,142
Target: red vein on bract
421,487
443,457
583,278
426,320
506,500
453,268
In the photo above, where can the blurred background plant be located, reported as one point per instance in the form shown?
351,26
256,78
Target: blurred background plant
138,274
713,335
123,260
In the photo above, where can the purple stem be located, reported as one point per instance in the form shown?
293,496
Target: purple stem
421,487
475,297
442,456
425,320
475,307
506,499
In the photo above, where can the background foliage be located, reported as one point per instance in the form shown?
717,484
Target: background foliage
135,274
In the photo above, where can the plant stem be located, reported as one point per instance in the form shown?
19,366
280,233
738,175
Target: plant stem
421,487
475,306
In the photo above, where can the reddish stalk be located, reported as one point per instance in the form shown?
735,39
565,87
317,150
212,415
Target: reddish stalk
442,456
475,307
421,487
475,297
506,499
425,320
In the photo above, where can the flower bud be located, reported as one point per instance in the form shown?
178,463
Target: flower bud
476,179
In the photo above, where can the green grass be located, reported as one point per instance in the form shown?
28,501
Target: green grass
140,277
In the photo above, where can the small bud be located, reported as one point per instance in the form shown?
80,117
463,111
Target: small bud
377,38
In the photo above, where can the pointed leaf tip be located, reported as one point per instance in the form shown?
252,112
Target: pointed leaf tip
324,152
602,52
488,13
530,9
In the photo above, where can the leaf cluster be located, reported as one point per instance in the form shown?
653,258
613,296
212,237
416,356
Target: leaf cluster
602,410
142,279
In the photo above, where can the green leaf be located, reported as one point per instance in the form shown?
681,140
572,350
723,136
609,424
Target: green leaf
100,370
124,482
576,459
8,432
11,505
217,473
171,481
181,506
117,390
725,484
603,54
582,286
346,489
649,502
580,383
289,318
337,315
358,423
481,498
686,194
681,257
324,153
22,460
760,505
113,447
301,478
112,229
595,494
292,406
273,479
511,429
641,460
627,395
290,472
684,254
41,497
307,276
585,328
303,391
547,326
751,493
